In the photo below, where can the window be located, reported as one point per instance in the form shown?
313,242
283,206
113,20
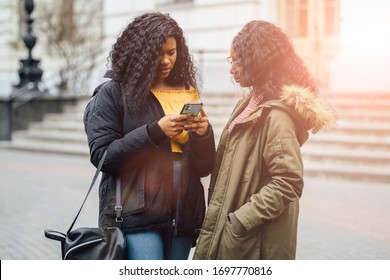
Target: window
303,18
297,18
330,17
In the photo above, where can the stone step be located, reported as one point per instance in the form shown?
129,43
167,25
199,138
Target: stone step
74,116
349,141
351,156
363,128
360,102
354,96
67,125
77,108
362,110
59,136
347,172
368,115
47,147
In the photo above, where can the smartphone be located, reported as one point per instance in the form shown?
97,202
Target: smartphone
191,108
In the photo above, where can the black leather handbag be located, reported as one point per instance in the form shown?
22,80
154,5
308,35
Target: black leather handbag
86,243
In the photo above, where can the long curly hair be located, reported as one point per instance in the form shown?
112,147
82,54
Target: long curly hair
134,57
269,59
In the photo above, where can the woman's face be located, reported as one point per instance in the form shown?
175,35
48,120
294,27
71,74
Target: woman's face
237,71
167,58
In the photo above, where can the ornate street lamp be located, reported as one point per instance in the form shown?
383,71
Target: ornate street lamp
29,72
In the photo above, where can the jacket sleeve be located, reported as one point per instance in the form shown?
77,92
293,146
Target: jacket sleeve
202,152
104,129
283,161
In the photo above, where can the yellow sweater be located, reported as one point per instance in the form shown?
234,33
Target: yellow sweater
172,101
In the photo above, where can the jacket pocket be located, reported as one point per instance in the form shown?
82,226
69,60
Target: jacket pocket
235,246
132,197
235,225
133,193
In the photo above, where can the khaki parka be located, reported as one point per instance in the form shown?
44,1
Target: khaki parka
258,176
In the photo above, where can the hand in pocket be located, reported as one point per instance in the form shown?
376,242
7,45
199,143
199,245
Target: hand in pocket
235,224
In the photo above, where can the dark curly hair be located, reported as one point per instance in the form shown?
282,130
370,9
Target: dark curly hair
269,59
134,57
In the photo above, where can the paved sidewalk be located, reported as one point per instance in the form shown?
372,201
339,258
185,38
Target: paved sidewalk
338,221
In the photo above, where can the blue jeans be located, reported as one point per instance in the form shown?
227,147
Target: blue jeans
160,244
157,245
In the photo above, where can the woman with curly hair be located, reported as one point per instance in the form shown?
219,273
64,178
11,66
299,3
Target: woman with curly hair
258,175
158,154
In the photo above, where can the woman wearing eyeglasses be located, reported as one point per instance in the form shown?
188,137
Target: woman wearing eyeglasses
257,179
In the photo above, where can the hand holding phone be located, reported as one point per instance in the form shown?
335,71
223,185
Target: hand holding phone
197,123
192,108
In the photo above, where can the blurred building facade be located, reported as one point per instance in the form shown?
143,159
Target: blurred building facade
211,25
343,42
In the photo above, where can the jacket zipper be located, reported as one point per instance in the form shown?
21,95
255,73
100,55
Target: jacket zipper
174,227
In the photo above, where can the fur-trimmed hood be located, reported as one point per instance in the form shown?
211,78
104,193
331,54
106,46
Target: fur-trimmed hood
314,111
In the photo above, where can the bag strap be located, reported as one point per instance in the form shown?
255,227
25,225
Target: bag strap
118,206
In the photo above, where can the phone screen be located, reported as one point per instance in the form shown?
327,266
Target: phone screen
191,108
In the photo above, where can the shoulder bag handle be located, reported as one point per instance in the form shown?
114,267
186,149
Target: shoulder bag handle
118,206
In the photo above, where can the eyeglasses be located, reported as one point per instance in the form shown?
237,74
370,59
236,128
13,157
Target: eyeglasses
231,61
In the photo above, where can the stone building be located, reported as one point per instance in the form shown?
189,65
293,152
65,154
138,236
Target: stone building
343,42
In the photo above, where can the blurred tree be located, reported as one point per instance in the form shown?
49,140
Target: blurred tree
73,33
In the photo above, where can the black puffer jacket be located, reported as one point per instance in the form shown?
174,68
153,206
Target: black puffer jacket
140,153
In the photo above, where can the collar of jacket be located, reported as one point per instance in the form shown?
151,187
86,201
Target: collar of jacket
109,74
305,106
